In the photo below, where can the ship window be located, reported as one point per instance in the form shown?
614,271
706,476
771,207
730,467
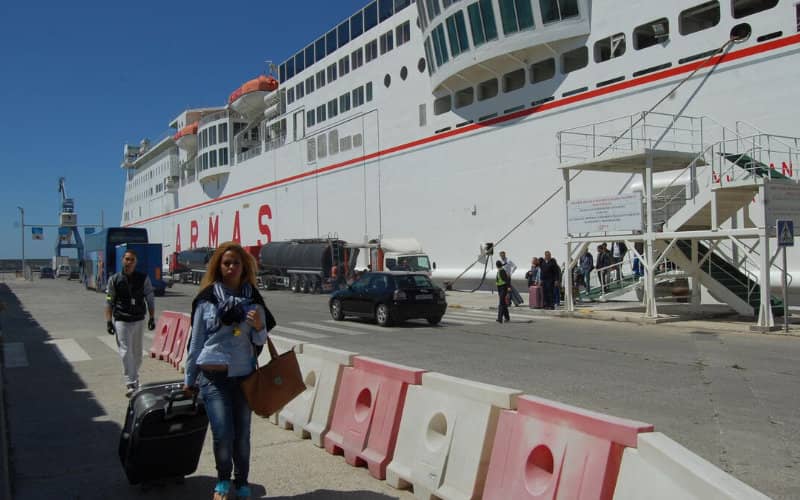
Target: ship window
357,141
370,16
356,25
574,60
345,143
421,64
514,80
516,15
300,90
333,108
321,113
464,97
331,72
223,156
439,45
448,3
457,33
212,158
358,97
343,33
403,33
403,73
651,33
311,118
368,87
422,20
290,95
299,62
487,89
371,50
204,138
743,8
283,72
320,79
609,48
442,105
482,23
322,147
387,42
797,16
310,55
433,8
344,102
423,115
429,56
319,48
333,142
401,4
311,150
344,66
310,84
212,135
330,42
387,80
223,132
357,58
556,10
385,9
698,18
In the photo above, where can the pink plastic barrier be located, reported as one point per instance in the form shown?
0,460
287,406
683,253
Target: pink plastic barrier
367,414
550,450
165,331
169,340
181,337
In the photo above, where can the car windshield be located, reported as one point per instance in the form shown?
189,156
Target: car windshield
413,281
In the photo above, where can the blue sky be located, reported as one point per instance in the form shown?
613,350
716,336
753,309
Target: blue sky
81,79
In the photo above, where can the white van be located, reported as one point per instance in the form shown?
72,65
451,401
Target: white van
63,270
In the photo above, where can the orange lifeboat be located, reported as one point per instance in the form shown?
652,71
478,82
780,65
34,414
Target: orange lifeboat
186,138
249,98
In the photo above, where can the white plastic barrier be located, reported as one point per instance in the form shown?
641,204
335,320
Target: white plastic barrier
446,435
309,414
661,469
282,344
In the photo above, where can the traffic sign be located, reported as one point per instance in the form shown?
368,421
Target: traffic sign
785,232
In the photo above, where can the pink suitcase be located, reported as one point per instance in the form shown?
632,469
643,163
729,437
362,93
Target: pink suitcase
535,297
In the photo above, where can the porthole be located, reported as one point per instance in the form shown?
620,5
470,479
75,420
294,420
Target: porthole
741,32
421,65
403,73
387,80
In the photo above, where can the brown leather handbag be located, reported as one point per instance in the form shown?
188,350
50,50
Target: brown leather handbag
271,387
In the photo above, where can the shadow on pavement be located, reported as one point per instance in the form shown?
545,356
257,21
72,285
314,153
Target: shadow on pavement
335,495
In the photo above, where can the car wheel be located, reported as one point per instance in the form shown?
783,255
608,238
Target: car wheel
336,310
382,315
435,320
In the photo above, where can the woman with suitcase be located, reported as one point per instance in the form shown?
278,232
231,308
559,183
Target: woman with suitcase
228,320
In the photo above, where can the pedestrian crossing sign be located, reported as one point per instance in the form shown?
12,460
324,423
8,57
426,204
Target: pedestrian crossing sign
785,233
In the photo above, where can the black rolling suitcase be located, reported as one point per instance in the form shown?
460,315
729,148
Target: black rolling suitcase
163,433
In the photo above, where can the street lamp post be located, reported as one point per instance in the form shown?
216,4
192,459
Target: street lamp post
22,237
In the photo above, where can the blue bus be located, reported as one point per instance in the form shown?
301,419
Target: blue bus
100,256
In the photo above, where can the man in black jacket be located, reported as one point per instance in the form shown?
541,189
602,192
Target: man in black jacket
550,275
127,295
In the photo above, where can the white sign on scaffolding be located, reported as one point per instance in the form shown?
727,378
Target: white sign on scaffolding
606,214
783,202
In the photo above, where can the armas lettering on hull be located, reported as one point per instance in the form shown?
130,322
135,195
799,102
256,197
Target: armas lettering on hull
264,215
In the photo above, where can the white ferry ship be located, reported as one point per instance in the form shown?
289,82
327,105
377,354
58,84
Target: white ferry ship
444,120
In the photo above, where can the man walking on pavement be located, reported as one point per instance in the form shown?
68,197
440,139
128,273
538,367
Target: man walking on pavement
127,295
550,274
510,267
503,282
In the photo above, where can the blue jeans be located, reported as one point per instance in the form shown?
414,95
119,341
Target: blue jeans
229,418
586,275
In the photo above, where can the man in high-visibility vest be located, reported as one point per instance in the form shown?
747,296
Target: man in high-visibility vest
503,281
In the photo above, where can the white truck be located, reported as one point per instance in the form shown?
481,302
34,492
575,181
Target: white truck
397,254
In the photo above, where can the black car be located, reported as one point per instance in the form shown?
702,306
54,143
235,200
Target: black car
47,272
390,297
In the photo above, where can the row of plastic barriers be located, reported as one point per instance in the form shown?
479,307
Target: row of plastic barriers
449,438
170,337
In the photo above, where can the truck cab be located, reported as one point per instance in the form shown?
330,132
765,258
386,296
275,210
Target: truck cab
398,254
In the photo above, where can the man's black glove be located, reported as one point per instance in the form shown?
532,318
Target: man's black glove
110,328
151,323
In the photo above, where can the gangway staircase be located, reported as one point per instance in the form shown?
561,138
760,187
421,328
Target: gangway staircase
711,180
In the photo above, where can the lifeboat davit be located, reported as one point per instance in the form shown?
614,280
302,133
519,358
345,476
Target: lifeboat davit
249,98
186,138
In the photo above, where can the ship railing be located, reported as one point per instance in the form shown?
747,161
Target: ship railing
630,133
275,142
250,153
218,115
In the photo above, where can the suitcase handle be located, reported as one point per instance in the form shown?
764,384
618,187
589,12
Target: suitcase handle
179,396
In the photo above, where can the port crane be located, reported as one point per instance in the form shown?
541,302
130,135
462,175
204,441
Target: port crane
68,234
